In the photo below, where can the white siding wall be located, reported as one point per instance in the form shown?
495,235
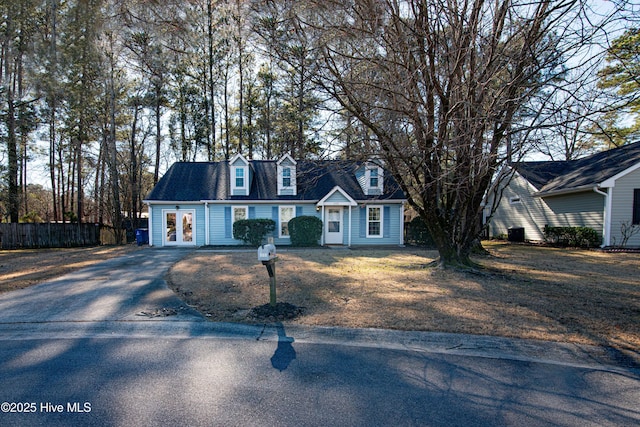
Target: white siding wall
530,213
577,210
622,207
533,213
393,225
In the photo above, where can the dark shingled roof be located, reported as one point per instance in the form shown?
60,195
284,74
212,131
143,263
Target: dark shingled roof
195,181
577,175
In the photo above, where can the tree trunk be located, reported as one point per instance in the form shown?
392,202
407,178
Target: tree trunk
212,145
113,156
133,167
156,169
10,120
12,153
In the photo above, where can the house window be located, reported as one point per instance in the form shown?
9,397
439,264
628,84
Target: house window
636,206
239,177
240,212
286,177
286,214
373,178
374,221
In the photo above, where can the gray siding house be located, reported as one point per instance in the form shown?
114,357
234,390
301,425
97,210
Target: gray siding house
196,203
601,191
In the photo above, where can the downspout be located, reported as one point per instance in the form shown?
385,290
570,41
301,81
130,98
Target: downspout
206,223
606,223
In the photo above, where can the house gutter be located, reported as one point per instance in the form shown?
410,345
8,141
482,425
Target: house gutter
561,192
258,202
606,223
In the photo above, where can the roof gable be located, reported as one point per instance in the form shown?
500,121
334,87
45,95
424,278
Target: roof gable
238,160
337,196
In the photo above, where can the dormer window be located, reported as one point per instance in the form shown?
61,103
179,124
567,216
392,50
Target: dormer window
373,180
239,179
286,169
286,177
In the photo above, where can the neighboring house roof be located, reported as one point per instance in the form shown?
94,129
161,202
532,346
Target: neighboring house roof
557,177
195,181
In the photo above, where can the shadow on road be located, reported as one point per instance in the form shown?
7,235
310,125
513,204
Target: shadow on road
285,353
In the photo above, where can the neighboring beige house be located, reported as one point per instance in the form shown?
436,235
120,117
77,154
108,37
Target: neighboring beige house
601,191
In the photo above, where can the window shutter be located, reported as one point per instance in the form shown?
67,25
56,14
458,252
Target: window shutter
252,212
363,222
386,222
274,217
298,210
227,222
636,206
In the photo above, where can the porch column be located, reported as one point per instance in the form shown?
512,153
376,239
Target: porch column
323,227
150,224
349,239
402,224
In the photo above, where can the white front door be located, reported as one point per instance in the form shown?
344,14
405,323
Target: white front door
178,226
333,226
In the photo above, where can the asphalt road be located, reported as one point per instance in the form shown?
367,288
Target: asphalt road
95,348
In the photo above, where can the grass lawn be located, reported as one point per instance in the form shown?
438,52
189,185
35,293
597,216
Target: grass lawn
569,295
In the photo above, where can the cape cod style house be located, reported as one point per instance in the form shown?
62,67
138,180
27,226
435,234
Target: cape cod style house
196,203
601,191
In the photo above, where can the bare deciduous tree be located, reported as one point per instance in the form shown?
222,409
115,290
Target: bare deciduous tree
443,85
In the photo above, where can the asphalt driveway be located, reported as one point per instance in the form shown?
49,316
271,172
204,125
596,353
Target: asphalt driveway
129,287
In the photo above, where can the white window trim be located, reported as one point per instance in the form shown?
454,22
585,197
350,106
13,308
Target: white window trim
245,178
166,242
367,176
280,208
291,189
233,212
286,169
375,236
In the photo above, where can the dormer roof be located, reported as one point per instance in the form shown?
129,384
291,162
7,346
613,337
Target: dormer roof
286,157
234,160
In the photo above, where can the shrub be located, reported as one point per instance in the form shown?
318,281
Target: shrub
417,233
583,237
253,231
305,230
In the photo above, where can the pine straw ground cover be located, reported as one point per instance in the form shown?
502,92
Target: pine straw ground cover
570,295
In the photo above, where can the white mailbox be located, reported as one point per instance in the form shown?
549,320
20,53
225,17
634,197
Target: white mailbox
266,252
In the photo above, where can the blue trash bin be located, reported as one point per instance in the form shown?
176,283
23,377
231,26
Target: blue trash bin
142,236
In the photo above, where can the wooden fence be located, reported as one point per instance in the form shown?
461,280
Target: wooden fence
48,235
